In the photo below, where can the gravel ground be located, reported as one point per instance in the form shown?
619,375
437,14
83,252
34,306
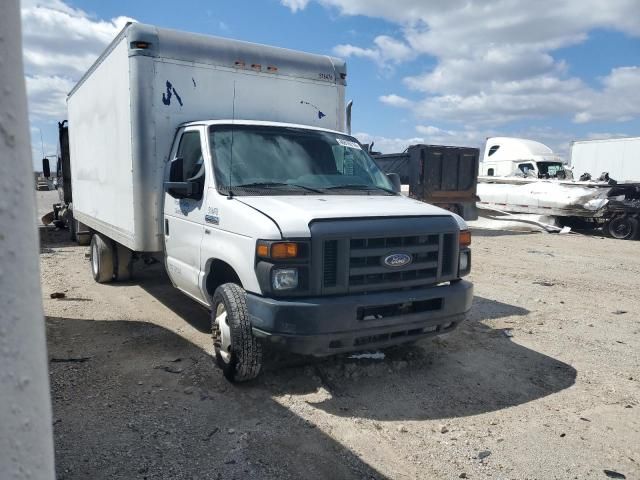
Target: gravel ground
542,382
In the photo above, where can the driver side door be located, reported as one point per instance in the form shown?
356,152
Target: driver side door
184,217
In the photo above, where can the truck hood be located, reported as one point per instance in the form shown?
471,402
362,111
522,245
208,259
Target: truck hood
293,214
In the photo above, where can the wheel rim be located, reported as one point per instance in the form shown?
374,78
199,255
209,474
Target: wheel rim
222,322
622,228
94,259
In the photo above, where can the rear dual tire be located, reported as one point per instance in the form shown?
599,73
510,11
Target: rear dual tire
102,257
109,260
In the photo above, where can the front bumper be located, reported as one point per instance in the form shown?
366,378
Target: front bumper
329,325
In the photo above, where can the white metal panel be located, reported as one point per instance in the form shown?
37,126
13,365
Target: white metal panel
100,146
203,92
620,157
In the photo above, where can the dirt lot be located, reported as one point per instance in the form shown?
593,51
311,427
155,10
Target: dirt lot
542,382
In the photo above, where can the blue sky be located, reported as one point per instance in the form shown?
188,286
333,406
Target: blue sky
442,72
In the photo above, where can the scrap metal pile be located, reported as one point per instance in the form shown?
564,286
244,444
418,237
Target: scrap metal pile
576,204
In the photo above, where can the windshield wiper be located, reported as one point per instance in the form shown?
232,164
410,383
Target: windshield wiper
359,186
276,185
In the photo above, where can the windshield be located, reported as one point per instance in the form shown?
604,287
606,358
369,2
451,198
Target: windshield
550,168
265,160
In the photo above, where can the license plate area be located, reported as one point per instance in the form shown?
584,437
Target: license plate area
379,312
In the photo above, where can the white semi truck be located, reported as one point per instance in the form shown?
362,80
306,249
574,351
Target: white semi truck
229,162
510,156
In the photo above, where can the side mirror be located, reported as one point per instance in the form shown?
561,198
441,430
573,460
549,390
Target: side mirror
176,186
46,170
182,189
394,178
176,169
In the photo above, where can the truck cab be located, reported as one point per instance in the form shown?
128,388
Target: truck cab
507,156
328,257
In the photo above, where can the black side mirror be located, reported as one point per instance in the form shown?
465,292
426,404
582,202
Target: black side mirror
394,178
176,186
176,169
46,170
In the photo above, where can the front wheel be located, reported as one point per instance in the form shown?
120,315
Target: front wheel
238,352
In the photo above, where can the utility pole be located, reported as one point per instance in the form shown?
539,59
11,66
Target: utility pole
26,439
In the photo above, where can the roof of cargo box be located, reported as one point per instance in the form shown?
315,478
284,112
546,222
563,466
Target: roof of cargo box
149,40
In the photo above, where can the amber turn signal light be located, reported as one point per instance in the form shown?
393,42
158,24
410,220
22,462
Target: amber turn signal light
465,238
284,250
262,250
278,250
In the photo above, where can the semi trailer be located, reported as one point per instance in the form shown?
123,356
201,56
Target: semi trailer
228,162
618,157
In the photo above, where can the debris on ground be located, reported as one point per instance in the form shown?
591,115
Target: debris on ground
368,355
614,474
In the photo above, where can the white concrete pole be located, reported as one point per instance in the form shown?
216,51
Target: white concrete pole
26,438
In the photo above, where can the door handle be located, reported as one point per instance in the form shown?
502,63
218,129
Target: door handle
166,227
207,231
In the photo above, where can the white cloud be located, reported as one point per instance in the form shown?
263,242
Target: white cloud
386,144
495,60
385,52
60,43
47,96
395,100
618,100
295,5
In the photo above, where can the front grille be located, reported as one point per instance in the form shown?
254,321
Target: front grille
330,270
432,261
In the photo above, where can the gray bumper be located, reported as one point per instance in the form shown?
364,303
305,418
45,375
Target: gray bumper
328,325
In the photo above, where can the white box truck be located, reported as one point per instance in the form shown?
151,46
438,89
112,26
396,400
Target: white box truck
619,157
228,161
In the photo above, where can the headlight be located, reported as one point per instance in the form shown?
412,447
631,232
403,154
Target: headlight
464,264
284,278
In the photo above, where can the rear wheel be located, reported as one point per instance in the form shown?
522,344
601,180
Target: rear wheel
123,264
623,228
102,257
238,352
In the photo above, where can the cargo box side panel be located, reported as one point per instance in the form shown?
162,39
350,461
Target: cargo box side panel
100,148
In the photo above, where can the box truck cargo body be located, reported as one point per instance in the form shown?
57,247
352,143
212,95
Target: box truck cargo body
228,162
124,112
620,157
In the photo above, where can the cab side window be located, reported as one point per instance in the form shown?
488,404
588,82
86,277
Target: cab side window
191,153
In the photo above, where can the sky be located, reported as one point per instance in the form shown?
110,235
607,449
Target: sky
446,72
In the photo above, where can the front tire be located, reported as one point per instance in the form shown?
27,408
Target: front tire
101,258
238,352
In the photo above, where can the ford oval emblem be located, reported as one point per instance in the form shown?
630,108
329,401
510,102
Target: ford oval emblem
396,260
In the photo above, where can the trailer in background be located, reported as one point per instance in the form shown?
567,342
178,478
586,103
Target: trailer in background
440,175
620,157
